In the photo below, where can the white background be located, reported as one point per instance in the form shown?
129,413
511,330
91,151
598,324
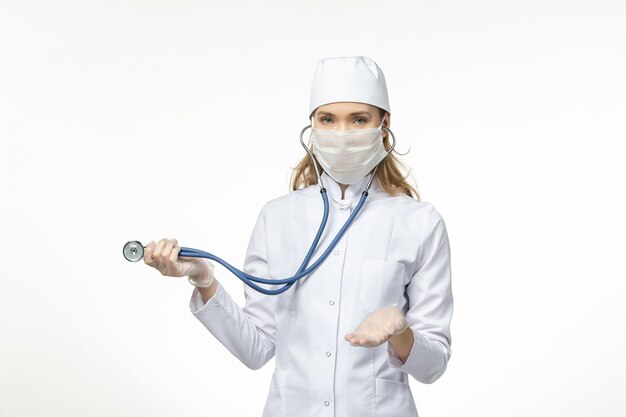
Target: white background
125,120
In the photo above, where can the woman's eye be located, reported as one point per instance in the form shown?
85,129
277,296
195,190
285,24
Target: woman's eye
325,118
360,118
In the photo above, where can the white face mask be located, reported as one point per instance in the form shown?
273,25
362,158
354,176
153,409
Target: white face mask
348,155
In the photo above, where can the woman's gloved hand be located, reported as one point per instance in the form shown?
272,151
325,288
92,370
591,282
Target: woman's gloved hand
378,327
164,257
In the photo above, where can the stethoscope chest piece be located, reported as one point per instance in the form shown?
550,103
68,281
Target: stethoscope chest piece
133,251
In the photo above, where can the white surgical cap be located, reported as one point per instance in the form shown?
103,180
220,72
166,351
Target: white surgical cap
348,78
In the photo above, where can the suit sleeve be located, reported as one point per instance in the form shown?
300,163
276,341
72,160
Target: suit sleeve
249,333
430,305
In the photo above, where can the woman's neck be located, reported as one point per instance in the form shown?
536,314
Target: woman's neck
343,190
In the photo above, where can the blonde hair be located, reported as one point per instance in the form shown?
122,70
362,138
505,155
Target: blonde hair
389,172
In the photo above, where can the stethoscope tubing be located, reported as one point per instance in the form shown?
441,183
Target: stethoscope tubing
302,271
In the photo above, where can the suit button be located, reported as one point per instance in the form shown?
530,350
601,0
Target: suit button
336,252
331,302
341,207
326,403
328,353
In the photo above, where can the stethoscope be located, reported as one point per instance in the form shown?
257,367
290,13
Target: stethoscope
134,250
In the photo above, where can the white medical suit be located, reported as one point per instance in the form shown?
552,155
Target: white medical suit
395,251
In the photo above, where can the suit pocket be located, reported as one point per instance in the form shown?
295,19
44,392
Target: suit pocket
381,283
394,399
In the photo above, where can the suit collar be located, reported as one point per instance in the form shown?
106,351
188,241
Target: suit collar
353,191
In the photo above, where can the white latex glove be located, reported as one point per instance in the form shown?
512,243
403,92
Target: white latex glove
164,257
378,327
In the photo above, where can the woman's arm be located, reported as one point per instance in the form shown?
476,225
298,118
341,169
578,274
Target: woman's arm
207,293
430,307
402,344
249,332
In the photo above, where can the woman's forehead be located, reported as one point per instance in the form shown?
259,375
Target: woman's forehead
346,108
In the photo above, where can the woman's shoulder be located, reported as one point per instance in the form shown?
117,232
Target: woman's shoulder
424,211
407,207
283,201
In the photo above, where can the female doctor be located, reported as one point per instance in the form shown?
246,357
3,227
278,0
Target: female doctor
378,309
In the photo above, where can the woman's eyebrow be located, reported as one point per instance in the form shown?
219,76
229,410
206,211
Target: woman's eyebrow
356,113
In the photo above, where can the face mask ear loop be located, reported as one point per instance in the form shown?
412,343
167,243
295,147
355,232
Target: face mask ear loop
381,128
369,183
